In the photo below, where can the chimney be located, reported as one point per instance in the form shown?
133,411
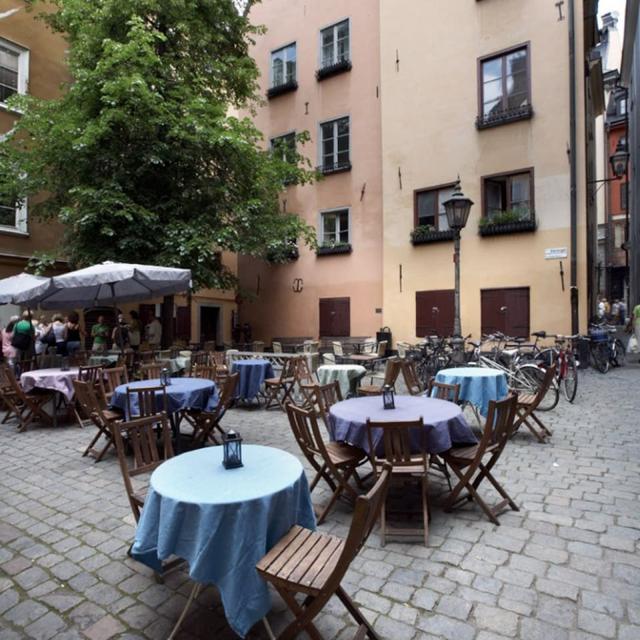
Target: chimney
610,21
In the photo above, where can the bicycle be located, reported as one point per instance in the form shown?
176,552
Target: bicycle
606,350
563,355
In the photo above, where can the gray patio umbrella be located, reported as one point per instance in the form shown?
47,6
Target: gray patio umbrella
24,289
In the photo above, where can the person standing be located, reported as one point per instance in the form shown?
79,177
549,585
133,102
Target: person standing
99,335
154,333
120,335
22,338
622,311
59,329
41,330
635,318
75,335
135,330
8,350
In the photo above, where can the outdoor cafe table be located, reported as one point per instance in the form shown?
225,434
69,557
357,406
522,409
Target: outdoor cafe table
443,421
253,373
55,379
222,522
478,385
347,375
107,359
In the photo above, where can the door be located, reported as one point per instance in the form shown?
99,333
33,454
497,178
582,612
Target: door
335,317
435,312
209,317
183,324
505,310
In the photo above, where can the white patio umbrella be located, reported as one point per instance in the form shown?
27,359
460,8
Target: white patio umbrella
24,288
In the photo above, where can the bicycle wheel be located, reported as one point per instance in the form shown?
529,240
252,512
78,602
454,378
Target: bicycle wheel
528,379
618,353
570,380
600,356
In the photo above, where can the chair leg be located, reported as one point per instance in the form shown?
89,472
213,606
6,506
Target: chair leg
356,614
303,615
425,508
544,427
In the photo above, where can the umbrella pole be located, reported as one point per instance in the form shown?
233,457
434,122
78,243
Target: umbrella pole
115,309
32,344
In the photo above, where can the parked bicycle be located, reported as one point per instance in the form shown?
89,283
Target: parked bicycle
563,355
606,350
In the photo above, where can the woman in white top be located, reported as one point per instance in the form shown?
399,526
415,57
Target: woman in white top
60,332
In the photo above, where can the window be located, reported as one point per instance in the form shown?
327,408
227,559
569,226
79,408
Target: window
14,70
285,147
623,196
334,44
429,207
504,88
13,217
618,235
335,145
508,197
283,66
334,227
621,105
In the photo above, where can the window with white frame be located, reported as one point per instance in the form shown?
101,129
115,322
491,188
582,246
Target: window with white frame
283,66
334,227
13,216
285,147
334,44
14,70
335,145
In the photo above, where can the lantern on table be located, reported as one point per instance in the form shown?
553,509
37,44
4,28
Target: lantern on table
232,445
387,397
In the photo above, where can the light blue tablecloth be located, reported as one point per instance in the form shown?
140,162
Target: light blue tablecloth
252,375
478,385
222,522
182,393
443,421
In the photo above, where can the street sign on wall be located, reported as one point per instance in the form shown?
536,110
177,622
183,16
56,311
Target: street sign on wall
558,253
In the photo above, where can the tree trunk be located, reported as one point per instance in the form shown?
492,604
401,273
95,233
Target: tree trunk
167,321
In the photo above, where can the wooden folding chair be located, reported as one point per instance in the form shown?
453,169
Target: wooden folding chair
205,372
319,398
334,462
150,400
313,564
113,377
443,391
26,407
468,462
91,374
79,359
527,405
396,444
200,358
278,390
91,408
149,451
411,380
7,396
207,423
391,372
150,371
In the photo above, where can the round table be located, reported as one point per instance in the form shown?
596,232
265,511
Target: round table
222,522
478,385
253,373
52,379
347,375
182,393
443,421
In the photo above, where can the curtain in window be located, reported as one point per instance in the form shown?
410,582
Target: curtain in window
8,73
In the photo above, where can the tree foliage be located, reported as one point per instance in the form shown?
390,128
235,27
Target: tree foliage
140,156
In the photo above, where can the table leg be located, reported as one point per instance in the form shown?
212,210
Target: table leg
174,421
192,596
267,626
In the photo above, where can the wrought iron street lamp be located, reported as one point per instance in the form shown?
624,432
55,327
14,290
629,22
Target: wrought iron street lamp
457,209
619,159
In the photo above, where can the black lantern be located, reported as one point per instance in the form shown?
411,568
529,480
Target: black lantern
387,397
232,445
619,159
457,208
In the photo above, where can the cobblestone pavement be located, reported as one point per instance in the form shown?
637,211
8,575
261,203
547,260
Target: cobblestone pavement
565,567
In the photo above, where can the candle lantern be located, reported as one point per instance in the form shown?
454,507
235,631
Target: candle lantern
232,445
387,397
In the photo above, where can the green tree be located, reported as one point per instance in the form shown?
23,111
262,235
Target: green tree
141,157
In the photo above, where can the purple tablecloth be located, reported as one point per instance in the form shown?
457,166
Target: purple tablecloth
252,374
444,423
52,379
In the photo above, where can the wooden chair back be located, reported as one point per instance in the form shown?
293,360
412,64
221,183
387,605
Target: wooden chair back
205,372
302,372
13,386
87,398
411,380
201,357
150,370
321,397
91,374
306,432
382,348
396,443
498,426
444,391
337,348
218,358
549,375
310,346
391,372
276,346
146,356
113,377
151,400
208,421
288,371
149,450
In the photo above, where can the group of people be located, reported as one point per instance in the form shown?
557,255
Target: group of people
615,312
26,336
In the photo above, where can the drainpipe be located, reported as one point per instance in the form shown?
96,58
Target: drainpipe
575,324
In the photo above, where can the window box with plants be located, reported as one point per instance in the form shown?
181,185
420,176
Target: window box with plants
285,87
507,222
332,69
426,233
333,249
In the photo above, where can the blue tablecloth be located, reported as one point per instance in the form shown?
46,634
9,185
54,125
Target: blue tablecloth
253,373
182,393
222,522
444,423
478,385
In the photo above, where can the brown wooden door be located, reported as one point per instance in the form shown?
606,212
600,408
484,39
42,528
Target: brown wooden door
505,310
335,317
434,312
183,324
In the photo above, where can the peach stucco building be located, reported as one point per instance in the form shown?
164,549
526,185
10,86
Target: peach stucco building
330,87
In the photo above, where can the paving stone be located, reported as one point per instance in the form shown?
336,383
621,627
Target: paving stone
48,626
31,578
603,604
558,612
557,589
531,629
495,619
24,613
104,629
425,599
373,601
598,623
454,607
444,627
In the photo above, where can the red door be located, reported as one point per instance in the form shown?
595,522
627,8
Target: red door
434,312
335,317
505,310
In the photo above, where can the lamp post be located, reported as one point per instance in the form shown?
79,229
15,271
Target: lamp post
619,160
457,209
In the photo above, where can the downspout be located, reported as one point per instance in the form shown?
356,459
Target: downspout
575,324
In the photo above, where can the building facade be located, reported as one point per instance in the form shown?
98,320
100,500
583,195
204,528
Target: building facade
319,63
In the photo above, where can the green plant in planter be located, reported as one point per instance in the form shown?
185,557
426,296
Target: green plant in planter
422,230
334,245
505,217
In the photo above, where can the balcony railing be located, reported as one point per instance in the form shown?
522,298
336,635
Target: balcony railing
425,234
497,118
278,90
334,249
333,69
337,167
